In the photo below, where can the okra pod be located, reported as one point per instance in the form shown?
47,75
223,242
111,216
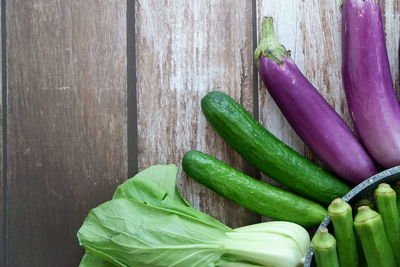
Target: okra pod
396,188
363,202
386,202
324,247
341,215
370,230
362,261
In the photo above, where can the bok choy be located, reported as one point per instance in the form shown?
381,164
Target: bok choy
148,223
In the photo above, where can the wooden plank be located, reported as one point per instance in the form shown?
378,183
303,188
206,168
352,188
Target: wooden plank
185,49
2,196
391,18
66,122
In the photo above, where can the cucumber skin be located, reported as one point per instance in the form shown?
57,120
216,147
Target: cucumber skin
250,193
267,153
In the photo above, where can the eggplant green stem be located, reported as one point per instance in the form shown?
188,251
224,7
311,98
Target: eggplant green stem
269,45
341,3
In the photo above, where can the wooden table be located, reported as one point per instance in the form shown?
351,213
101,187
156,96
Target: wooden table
94,90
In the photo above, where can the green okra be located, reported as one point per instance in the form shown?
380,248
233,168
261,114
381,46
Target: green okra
363,202
396,188
362,261
324,247
370,230
341,215
386,202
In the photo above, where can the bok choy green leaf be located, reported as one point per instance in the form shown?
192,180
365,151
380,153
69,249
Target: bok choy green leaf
90,260
148,223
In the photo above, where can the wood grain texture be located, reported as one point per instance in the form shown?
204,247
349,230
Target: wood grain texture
185,49
311,29
391,19
2,196
66,122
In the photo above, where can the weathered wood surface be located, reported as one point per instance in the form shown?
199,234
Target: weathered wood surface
67,129
2,202
185,49
391,18
67,101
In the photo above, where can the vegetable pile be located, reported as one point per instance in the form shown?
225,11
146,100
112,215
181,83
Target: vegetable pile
372,239
149,223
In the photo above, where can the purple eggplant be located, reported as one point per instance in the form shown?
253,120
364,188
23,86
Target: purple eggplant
313,119
368,83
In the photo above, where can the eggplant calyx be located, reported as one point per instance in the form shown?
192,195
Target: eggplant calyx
269,45
341,3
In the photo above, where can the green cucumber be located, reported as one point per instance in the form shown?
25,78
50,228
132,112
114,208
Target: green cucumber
267,153
250,193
